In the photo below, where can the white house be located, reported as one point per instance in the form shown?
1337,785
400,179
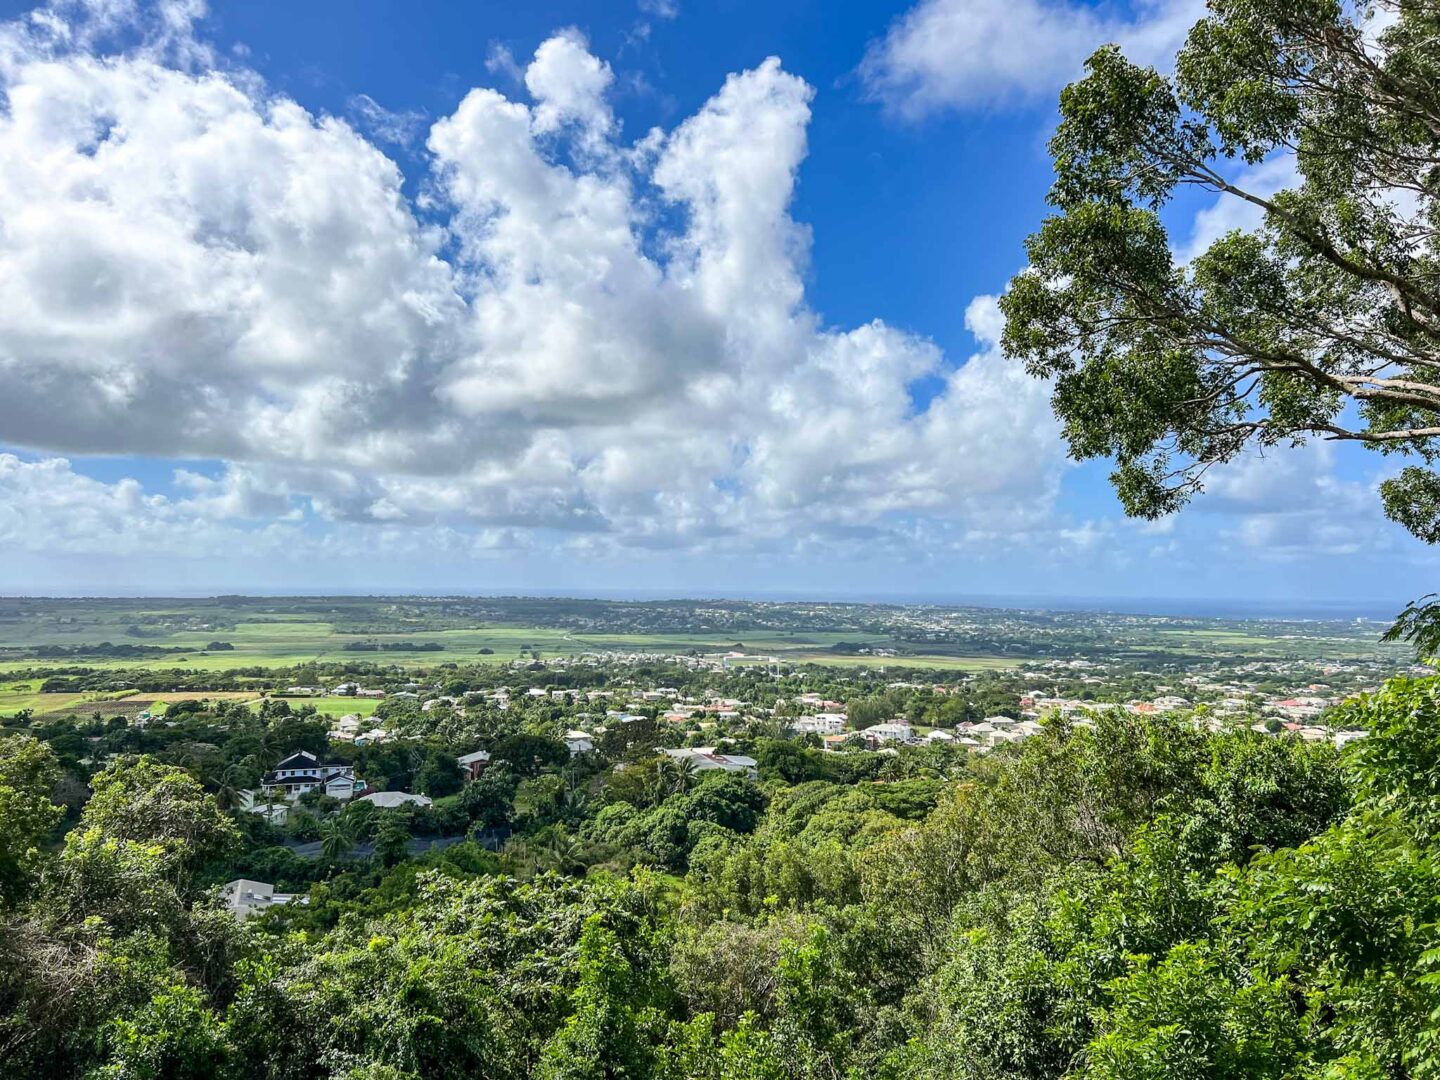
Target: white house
303,771
819,724
887,732
346,728
244,898
704,758
389,800
579,742
276,813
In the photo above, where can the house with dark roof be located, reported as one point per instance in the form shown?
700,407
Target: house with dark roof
302,771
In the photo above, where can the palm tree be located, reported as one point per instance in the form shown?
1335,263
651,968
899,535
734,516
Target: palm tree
418,758
572,803
682,774
266,751
227,786
655,787
337,837
563,853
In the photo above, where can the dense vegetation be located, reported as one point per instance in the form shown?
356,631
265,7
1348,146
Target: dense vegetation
1137,898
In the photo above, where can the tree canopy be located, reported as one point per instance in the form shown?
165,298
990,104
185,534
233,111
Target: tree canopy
1322,321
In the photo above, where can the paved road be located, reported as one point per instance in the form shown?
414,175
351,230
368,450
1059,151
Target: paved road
416,846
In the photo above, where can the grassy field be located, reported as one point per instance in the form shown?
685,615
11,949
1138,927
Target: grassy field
287,632
335,706
15,697
287,642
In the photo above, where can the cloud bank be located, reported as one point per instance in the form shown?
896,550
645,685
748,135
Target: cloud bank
565,330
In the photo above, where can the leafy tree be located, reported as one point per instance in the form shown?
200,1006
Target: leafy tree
786,760
439,776
529,755
392,837
867,712
173,1036
489,799
162,807
1323,321
1186,1018
604,1037
407,1003
29,773
727,799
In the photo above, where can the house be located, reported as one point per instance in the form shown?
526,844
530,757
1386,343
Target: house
892,732
243,898
389,800
276,813
579,742
472,765
819,724
303,771
704,758
345,729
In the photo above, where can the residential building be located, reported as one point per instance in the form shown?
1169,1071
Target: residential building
891,732
390,800
244,898
472,765
705,758
303,771
819,724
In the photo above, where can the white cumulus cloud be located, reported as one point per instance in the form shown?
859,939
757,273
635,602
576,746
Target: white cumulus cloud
965,54
567,330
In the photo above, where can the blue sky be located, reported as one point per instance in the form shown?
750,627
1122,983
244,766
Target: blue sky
577,296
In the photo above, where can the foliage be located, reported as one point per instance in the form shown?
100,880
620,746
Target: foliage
29,773
1320,322
1116,896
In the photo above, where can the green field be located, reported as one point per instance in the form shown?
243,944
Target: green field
335,706
279,641
267,633
14,699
